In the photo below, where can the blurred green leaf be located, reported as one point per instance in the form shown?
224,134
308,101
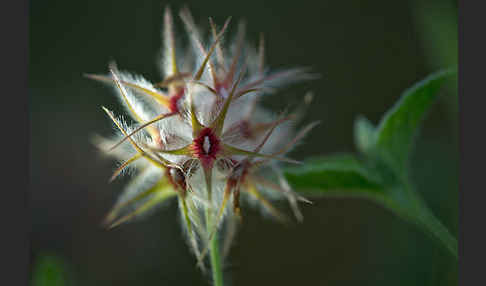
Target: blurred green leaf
345,176
394,136
49,270
383,174
340,175
405,202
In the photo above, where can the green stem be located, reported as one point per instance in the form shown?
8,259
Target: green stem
216,261
214,254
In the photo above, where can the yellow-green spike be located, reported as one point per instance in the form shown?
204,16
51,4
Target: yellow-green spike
232,227
186,215
200,72
169,36
114,212
158,118
153,132
218,123
219,51
239,47
190,231
196,125
135,145
271,185
299,136
110,114
124,95
158,96
198,226
212,90
243,92
145,207
261,54
164,161
161,195
171,79
226,195
252,190
125,164
237,151
186,150
273,125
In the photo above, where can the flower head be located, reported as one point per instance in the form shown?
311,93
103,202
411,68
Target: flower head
201,134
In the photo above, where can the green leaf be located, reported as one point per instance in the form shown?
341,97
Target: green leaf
394,136
404,202
340,175
345,176
49,270
383,176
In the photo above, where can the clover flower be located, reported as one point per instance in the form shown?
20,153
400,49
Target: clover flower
201,134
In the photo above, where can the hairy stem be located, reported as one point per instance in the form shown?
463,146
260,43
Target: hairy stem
216,261
214,255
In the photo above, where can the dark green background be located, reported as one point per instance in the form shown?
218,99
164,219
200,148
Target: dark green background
367,52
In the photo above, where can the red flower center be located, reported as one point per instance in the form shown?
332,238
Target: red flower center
206,146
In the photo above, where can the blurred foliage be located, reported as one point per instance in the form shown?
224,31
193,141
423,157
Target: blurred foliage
383,175
50,270
436,24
